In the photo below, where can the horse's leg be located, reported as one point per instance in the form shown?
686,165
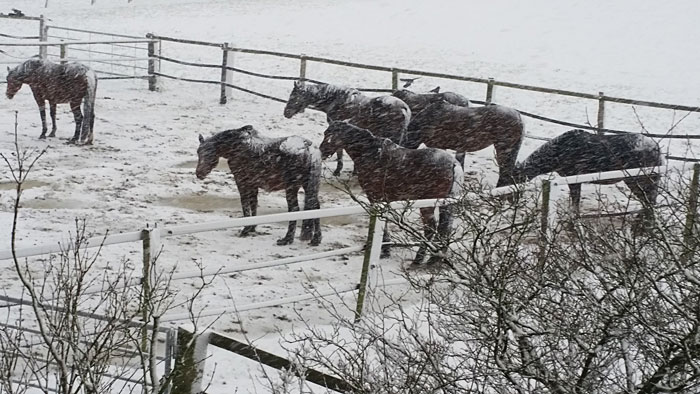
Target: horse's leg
52,111
249,204
78,116
292,206
339,162
311,228
506,156
646,190
575,196
429,227
460,158
386,238
443,231
41,103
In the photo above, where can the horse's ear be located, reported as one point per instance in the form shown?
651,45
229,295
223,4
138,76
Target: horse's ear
201,139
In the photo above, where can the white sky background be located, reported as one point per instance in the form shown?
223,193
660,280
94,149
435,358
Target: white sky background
582,45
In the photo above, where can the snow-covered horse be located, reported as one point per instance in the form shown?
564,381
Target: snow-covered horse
579,152
386,116
420,101
469,129
71,83
387,172
257,162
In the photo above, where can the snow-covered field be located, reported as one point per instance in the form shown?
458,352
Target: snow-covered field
141,169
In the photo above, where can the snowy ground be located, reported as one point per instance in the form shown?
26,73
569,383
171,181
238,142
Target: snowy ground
141,169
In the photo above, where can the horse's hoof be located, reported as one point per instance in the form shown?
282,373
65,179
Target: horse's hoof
336,173
315,241
245,232
42,137
306,236
71,141
53,134
285,241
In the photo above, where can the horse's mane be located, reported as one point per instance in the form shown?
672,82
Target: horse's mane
29,66
327,92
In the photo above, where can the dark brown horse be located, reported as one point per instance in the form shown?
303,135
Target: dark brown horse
420,101
579,152
71,83
386,116
447,126
387,172
257,162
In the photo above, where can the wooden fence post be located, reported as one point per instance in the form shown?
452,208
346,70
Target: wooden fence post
489,91
689,236
43,33
302,68
151,248
224,73
186,368
601,112
394,80
373,249
153,63
544,221
63,53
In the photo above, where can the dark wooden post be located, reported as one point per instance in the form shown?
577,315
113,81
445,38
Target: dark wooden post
63,53
185,371
601,112
689,236
43,33
302,68
544,221
394,80
224,73
373,249
153,63
489,91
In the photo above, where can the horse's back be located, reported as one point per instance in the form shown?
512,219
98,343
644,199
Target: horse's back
580,152
409,174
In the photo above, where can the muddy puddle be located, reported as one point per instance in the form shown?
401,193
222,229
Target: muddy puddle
222,166
29,184
55,204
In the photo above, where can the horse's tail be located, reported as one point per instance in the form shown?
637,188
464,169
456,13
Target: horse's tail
457,179
89,107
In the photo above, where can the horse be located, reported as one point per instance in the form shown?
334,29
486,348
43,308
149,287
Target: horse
579,152
469,129
258,162
386,116
420,101
388,172
71,83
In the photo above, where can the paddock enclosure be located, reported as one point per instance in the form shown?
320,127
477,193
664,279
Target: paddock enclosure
158,92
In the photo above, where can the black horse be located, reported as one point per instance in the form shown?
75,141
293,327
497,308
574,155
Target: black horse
420,101
386,116
579,152
387,172
71,83
257,162
469,129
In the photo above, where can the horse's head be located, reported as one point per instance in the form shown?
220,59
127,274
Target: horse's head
333,138
208,158
14,83
297,100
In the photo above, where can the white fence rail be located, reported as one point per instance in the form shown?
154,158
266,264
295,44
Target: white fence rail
314,214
